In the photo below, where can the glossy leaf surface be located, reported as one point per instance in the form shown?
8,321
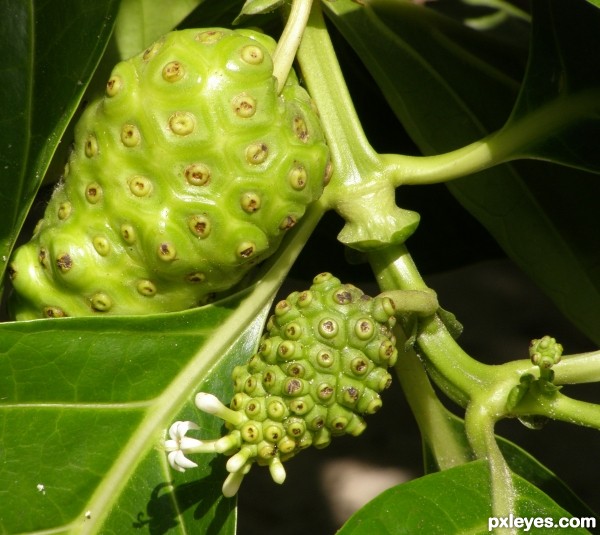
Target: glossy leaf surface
85,406
452,502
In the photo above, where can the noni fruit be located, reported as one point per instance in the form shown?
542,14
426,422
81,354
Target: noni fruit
320,367
186,173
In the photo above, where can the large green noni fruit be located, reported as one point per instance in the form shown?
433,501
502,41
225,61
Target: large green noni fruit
186,173
320,367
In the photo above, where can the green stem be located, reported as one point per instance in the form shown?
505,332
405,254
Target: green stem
325,82
446,442
479,424
519,138
574,369
560,407
360,181
290,39
458,374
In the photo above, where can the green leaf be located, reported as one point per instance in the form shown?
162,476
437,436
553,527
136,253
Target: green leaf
560,97
434,81
256,7
48,59
140,22
85,403
455,501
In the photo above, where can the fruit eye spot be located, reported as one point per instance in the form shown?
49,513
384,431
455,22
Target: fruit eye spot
325,359
197,174
43,257
102,245
91,146
64,210
351,395
64,262
359,366
166,252
296,370
342,297
101,302
339,423
325,391
288,222
364,329
300,129
54,312
128,233
93,193
244,106
282,307
298,177
209,37
195,278
298,407
246,249
113,86
130,135
250,202
146,288
388,352
199,225
257,153
273,433
250,385
152,50
250,432
296,429
293,331
140,186
286,349
173,71
305,298
265,348
182,123
374,406
237,401
328,328
252,54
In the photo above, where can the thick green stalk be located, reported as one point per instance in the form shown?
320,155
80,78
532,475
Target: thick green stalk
436,424
457,373
360,189
561,407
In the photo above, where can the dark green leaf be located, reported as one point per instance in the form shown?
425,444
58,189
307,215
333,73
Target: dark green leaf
455,501
49,52
142,21
84,407
561,89
255,7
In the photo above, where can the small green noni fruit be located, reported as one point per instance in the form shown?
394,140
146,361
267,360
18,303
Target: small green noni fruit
185,174
320,367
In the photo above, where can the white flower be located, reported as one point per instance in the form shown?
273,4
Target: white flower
179,444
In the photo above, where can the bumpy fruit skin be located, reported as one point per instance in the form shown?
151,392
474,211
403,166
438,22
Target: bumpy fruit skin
319,369
185,174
